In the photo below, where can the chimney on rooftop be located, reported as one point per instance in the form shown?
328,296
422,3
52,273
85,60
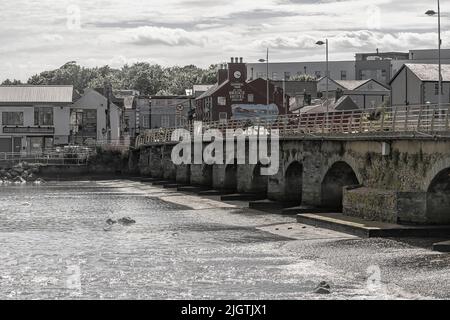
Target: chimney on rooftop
222,74
237,70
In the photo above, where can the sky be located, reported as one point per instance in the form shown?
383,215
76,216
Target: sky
38,35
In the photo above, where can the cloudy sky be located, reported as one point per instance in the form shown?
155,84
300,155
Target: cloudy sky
43,34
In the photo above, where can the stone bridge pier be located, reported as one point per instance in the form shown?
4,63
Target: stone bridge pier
399,180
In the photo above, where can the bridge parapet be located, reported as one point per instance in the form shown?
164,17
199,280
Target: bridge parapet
406,120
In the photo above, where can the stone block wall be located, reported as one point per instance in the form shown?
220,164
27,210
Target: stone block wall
370,204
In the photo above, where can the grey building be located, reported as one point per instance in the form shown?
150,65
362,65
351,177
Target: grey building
199,89
424,56
366,94
170,111
377,66
341,70
298,88
418,84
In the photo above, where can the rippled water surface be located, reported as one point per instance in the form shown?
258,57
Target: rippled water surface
55,244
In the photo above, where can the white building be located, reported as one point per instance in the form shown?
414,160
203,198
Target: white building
418,84
34,118
340,70
88,122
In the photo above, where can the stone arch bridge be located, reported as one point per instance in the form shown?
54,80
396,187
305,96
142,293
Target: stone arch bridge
408,184
398,176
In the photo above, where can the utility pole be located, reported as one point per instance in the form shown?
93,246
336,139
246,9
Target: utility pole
284,96
433,13
267,75
321,43
267,63
108,89
439,54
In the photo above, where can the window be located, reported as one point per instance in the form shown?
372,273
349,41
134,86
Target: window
43,116
383,75
83,123
223,117
363,75
165,121
12,118
343,75
287,76
146,121
221,101
251,97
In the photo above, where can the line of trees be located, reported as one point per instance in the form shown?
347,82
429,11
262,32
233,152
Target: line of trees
148,79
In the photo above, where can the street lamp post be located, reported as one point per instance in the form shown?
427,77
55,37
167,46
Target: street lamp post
321,43
433,13
267,75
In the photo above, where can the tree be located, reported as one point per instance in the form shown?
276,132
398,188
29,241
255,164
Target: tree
69,74
144,77
303,77
148,79
9,82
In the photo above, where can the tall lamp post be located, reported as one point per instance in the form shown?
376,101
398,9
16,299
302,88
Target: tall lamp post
321,43
267,73
433,13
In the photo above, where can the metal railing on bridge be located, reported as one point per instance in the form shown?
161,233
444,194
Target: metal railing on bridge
422,119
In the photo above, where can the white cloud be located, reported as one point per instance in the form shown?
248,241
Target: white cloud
35,33
50,37
165,36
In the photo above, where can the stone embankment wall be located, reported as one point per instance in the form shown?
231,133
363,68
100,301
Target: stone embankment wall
105,164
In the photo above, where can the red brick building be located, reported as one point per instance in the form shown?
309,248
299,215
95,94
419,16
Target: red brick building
233,97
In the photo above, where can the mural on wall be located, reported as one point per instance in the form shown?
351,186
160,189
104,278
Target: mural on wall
244,111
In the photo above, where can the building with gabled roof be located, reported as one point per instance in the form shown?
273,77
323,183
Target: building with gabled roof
34,118
366,94
235,97
418,84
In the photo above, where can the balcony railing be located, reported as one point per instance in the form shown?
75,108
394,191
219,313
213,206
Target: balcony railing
29,130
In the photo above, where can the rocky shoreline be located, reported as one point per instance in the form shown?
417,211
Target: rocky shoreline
22,173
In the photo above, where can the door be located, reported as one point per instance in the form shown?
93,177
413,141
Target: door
17,144
35,145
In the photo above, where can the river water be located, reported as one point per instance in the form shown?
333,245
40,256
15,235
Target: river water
55,244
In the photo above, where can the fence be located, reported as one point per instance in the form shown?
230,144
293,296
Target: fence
426,119
52,157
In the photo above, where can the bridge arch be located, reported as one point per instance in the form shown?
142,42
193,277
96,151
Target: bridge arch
437,168
293,178
438,198
259,181
339,175
231,181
